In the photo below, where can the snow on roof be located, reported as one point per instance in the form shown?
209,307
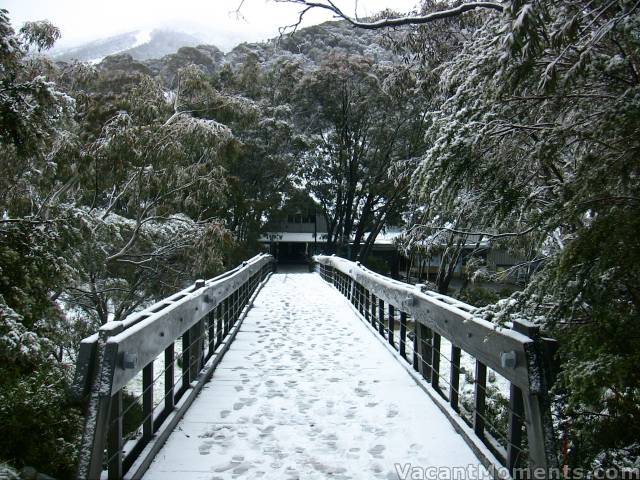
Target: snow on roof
383,238
292,237
388,237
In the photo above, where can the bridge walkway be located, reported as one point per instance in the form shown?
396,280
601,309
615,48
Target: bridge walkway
307,391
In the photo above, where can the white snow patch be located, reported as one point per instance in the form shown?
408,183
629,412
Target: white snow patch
142,37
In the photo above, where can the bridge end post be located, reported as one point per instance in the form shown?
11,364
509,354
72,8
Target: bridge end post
537,406
99,406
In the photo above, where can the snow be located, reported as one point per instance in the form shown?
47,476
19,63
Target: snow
292,237
142,37
307,391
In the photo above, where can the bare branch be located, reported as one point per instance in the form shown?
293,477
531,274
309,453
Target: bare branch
330,6
481,234
115,200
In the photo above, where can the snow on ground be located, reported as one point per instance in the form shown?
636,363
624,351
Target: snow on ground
307,392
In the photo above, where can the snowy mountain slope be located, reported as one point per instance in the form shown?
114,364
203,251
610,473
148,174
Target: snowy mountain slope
141,45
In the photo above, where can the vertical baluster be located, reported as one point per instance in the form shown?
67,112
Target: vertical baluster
381,316
186,355
480,398
245,297
403,334
219,324
367,301
169,380
373,315
147,402
425,335
238,306
416,346
435,362
211,325
392,324
454,378
114,442
196,359
234,308
225,313
514,435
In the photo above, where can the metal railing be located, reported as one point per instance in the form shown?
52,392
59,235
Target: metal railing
185,337
438,338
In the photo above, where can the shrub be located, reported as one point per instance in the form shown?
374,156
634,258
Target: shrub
38,427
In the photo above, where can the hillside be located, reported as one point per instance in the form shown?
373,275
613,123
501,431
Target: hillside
141,45
168,51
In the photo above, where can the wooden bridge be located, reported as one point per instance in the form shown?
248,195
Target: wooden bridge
336,373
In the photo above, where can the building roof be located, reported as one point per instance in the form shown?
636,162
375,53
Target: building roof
292,237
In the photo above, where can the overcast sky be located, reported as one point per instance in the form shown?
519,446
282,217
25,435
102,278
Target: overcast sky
215,20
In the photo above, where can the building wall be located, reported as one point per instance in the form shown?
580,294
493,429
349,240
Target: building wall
298,223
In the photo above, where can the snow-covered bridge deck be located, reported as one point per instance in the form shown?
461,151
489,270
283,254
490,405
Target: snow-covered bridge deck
342,373
307,391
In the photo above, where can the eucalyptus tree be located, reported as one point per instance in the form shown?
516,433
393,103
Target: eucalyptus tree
360,123
33,113
547,147
139,191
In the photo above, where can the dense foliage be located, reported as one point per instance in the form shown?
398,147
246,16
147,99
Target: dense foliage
535,142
